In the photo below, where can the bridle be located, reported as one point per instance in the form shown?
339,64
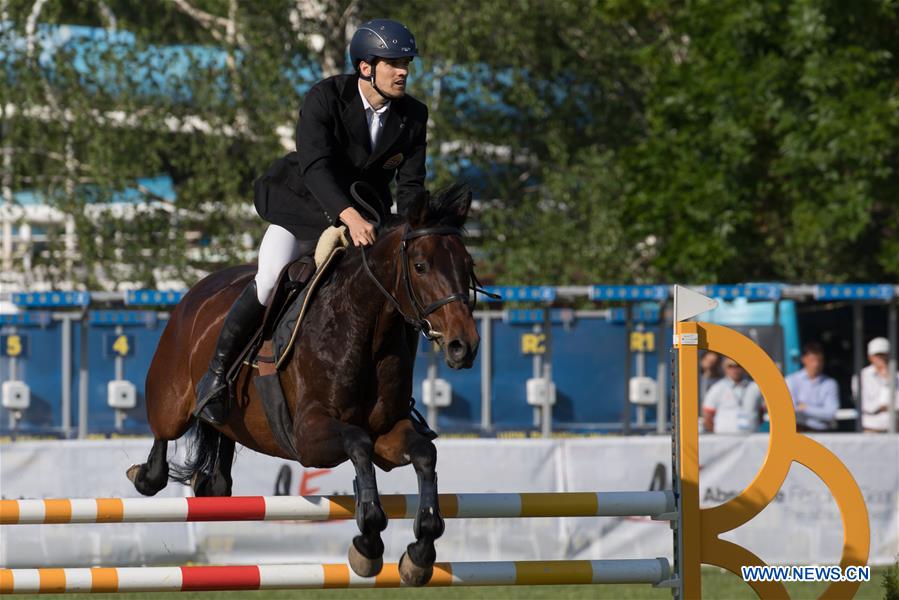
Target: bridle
420,319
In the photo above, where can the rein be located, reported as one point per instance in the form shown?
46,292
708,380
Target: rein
420,319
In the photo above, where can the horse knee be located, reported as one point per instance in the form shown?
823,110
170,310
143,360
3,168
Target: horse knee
358,445
424,456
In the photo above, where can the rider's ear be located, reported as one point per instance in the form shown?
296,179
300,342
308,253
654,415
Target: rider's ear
417,213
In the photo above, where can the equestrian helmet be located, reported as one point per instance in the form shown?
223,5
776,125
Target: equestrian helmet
381,38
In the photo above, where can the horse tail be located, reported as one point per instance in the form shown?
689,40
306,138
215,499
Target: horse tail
202,444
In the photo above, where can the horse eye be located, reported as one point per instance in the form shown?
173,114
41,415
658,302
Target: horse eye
421,268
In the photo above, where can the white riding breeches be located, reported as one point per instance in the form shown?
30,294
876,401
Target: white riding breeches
278,249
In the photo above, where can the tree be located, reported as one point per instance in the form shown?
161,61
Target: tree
608,141
656,141
204,93
772,143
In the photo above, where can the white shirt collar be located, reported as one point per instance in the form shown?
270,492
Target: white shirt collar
367,105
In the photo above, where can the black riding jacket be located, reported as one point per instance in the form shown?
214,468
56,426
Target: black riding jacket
305,191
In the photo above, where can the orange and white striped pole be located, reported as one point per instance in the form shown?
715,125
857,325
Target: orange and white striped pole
657,504
269,577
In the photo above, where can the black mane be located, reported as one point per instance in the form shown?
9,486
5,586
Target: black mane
448,207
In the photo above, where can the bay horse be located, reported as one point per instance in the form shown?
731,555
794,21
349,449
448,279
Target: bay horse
348,381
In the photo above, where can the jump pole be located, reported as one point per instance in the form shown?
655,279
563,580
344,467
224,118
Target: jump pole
304,576
656,504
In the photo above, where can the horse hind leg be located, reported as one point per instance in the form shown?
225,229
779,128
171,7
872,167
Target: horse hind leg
150,477
218,481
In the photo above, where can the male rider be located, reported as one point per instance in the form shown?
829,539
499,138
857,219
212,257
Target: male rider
356,127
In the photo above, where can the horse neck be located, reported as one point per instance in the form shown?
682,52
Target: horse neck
353,290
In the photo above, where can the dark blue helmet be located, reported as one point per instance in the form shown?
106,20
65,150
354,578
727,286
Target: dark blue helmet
381,38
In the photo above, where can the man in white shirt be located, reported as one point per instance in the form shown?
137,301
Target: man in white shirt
733,404
875,392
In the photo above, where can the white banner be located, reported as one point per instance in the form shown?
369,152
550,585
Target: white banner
801,526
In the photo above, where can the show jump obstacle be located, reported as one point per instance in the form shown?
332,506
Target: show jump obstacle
696,530
696,537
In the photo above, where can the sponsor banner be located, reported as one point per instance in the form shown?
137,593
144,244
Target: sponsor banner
801,526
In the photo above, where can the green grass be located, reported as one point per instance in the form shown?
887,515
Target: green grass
716,585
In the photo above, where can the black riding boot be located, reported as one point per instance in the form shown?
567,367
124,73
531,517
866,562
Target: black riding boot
213,395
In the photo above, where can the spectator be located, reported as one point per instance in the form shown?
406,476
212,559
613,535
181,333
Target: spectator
815,395
709,374
875,392
734,404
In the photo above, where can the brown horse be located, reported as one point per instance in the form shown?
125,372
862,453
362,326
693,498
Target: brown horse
348,383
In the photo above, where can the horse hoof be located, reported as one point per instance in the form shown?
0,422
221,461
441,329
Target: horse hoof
132,472
363,566
412,574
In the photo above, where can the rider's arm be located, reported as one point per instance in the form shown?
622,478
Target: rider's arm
317,151
410,176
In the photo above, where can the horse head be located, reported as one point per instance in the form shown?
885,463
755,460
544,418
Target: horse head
438,273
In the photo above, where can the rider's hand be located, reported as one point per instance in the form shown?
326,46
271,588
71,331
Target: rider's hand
361,231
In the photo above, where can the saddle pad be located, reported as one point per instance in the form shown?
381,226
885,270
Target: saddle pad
288,327
331,238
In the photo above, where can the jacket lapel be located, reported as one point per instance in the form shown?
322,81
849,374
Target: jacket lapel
353,114
396,122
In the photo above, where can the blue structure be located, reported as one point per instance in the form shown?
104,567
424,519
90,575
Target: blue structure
586,354
589,352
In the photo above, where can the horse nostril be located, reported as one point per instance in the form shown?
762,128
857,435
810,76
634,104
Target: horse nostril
457,349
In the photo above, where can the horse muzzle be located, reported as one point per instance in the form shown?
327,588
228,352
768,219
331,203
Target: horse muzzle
460,354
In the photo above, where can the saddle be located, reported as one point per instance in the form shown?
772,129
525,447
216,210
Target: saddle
297,285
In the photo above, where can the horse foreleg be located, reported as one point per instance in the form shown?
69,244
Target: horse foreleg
325,442
153,475
400,446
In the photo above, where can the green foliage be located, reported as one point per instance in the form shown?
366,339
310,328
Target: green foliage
774,139
656,141
168,103
890,582
614,141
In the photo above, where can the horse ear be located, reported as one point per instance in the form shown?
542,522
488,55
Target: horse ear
455,202
417,210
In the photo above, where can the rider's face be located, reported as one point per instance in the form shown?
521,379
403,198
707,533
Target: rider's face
390,75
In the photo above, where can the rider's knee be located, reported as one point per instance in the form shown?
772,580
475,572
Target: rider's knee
265,287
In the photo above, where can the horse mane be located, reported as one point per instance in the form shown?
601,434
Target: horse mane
448,207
